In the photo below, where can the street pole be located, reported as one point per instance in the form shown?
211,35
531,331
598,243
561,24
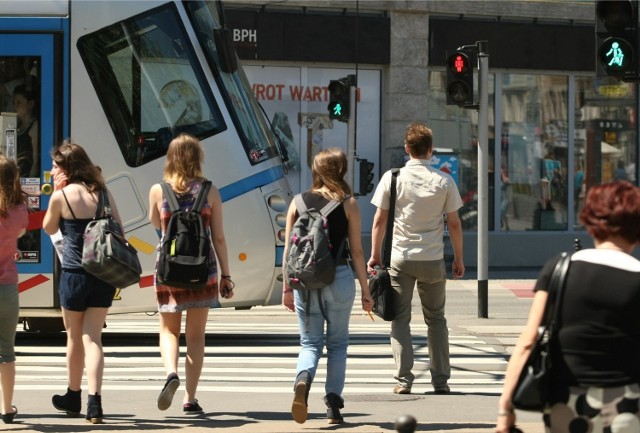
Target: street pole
351,132
483,180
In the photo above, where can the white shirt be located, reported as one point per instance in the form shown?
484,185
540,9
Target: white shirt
423,195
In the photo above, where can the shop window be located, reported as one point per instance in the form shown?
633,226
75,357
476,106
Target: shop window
605,134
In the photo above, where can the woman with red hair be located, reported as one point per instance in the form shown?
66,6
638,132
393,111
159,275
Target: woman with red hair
595,383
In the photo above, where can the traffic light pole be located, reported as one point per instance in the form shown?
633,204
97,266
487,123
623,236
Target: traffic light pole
483,180
351,134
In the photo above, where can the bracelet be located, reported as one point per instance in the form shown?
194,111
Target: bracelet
289,290
507,412
228,277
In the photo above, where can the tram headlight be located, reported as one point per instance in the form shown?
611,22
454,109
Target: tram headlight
281,235
281,220
277,203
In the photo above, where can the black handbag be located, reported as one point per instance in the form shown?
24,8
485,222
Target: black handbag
532,388
380,281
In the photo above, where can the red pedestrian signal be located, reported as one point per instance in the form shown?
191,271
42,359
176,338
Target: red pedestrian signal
459,79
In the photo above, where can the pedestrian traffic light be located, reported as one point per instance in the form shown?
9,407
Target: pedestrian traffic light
617,39
459,79
366,177
339,96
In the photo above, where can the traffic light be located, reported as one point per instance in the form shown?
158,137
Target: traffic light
459,79
339,96
366,177
617,39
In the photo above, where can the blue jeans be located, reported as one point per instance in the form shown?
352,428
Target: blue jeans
338,300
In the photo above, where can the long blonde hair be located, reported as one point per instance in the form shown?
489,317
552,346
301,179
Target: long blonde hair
184,162
10,192
327,173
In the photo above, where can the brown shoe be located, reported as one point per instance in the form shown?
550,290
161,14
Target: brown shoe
399,389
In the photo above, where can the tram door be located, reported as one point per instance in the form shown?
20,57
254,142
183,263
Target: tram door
29,128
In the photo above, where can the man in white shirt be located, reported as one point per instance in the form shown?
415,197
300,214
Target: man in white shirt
423,195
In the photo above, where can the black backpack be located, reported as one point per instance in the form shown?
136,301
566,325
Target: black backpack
183,256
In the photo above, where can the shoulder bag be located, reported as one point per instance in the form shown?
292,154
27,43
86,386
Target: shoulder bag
106,254
380,282
532,388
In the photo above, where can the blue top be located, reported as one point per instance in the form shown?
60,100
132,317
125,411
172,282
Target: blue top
73,232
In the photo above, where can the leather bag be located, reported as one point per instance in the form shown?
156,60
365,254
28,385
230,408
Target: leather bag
106,254
380,281
532,388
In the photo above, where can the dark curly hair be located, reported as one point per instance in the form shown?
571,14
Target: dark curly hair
612,209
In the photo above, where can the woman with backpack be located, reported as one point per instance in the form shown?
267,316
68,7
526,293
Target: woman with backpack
329,306
183,173
84,298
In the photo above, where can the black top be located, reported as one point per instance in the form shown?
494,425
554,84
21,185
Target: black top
338,223
599,334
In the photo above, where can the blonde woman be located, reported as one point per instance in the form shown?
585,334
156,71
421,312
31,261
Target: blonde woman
183,172
85,299
13,224
328,171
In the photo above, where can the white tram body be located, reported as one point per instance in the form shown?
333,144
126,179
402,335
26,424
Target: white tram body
122,78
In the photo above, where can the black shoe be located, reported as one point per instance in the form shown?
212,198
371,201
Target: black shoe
7,418
334,403
70,403
94,409
192,408
169,389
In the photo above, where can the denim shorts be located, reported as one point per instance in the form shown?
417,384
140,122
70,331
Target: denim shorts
80,290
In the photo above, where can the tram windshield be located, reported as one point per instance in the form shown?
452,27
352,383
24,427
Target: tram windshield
150,83
235,88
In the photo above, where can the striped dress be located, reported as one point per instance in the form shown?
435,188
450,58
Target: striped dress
174,299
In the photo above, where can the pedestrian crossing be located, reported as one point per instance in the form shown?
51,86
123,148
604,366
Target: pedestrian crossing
261,354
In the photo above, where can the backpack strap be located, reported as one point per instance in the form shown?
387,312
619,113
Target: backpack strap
104,207
170,197
202,196
301,207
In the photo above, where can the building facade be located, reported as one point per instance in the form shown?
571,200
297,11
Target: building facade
555,129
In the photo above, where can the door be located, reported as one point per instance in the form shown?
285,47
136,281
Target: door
27,107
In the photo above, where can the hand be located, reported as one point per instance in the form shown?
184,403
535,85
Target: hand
367,302
457,268
60,180
288,301
506,424
226,288
371,264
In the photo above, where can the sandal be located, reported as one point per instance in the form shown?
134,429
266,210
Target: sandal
8,417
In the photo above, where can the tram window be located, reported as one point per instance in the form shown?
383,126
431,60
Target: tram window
244,108
150,83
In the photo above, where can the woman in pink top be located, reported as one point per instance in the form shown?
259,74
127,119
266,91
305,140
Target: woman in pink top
13,224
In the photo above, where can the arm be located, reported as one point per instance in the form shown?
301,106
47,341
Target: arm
287,292
506,416
220,243
377,236
155,198
357,254
51,221
455,234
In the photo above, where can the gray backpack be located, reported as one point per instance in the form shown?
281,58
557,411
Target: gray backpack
309,263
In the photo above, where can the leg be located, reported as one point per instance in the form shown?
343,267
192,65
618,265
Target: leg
73,324
338,299
170,340
92,341
432,290
170,351
401,342
196,323
9,311
311,325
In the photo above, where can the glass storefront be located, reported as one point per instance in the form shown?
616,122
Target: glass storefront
547,159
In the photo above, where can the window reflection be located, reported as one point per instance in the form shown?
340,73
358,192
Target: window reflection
605,134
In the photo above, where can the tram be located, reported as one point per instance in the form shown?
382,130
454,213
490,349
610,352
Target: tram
122,79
